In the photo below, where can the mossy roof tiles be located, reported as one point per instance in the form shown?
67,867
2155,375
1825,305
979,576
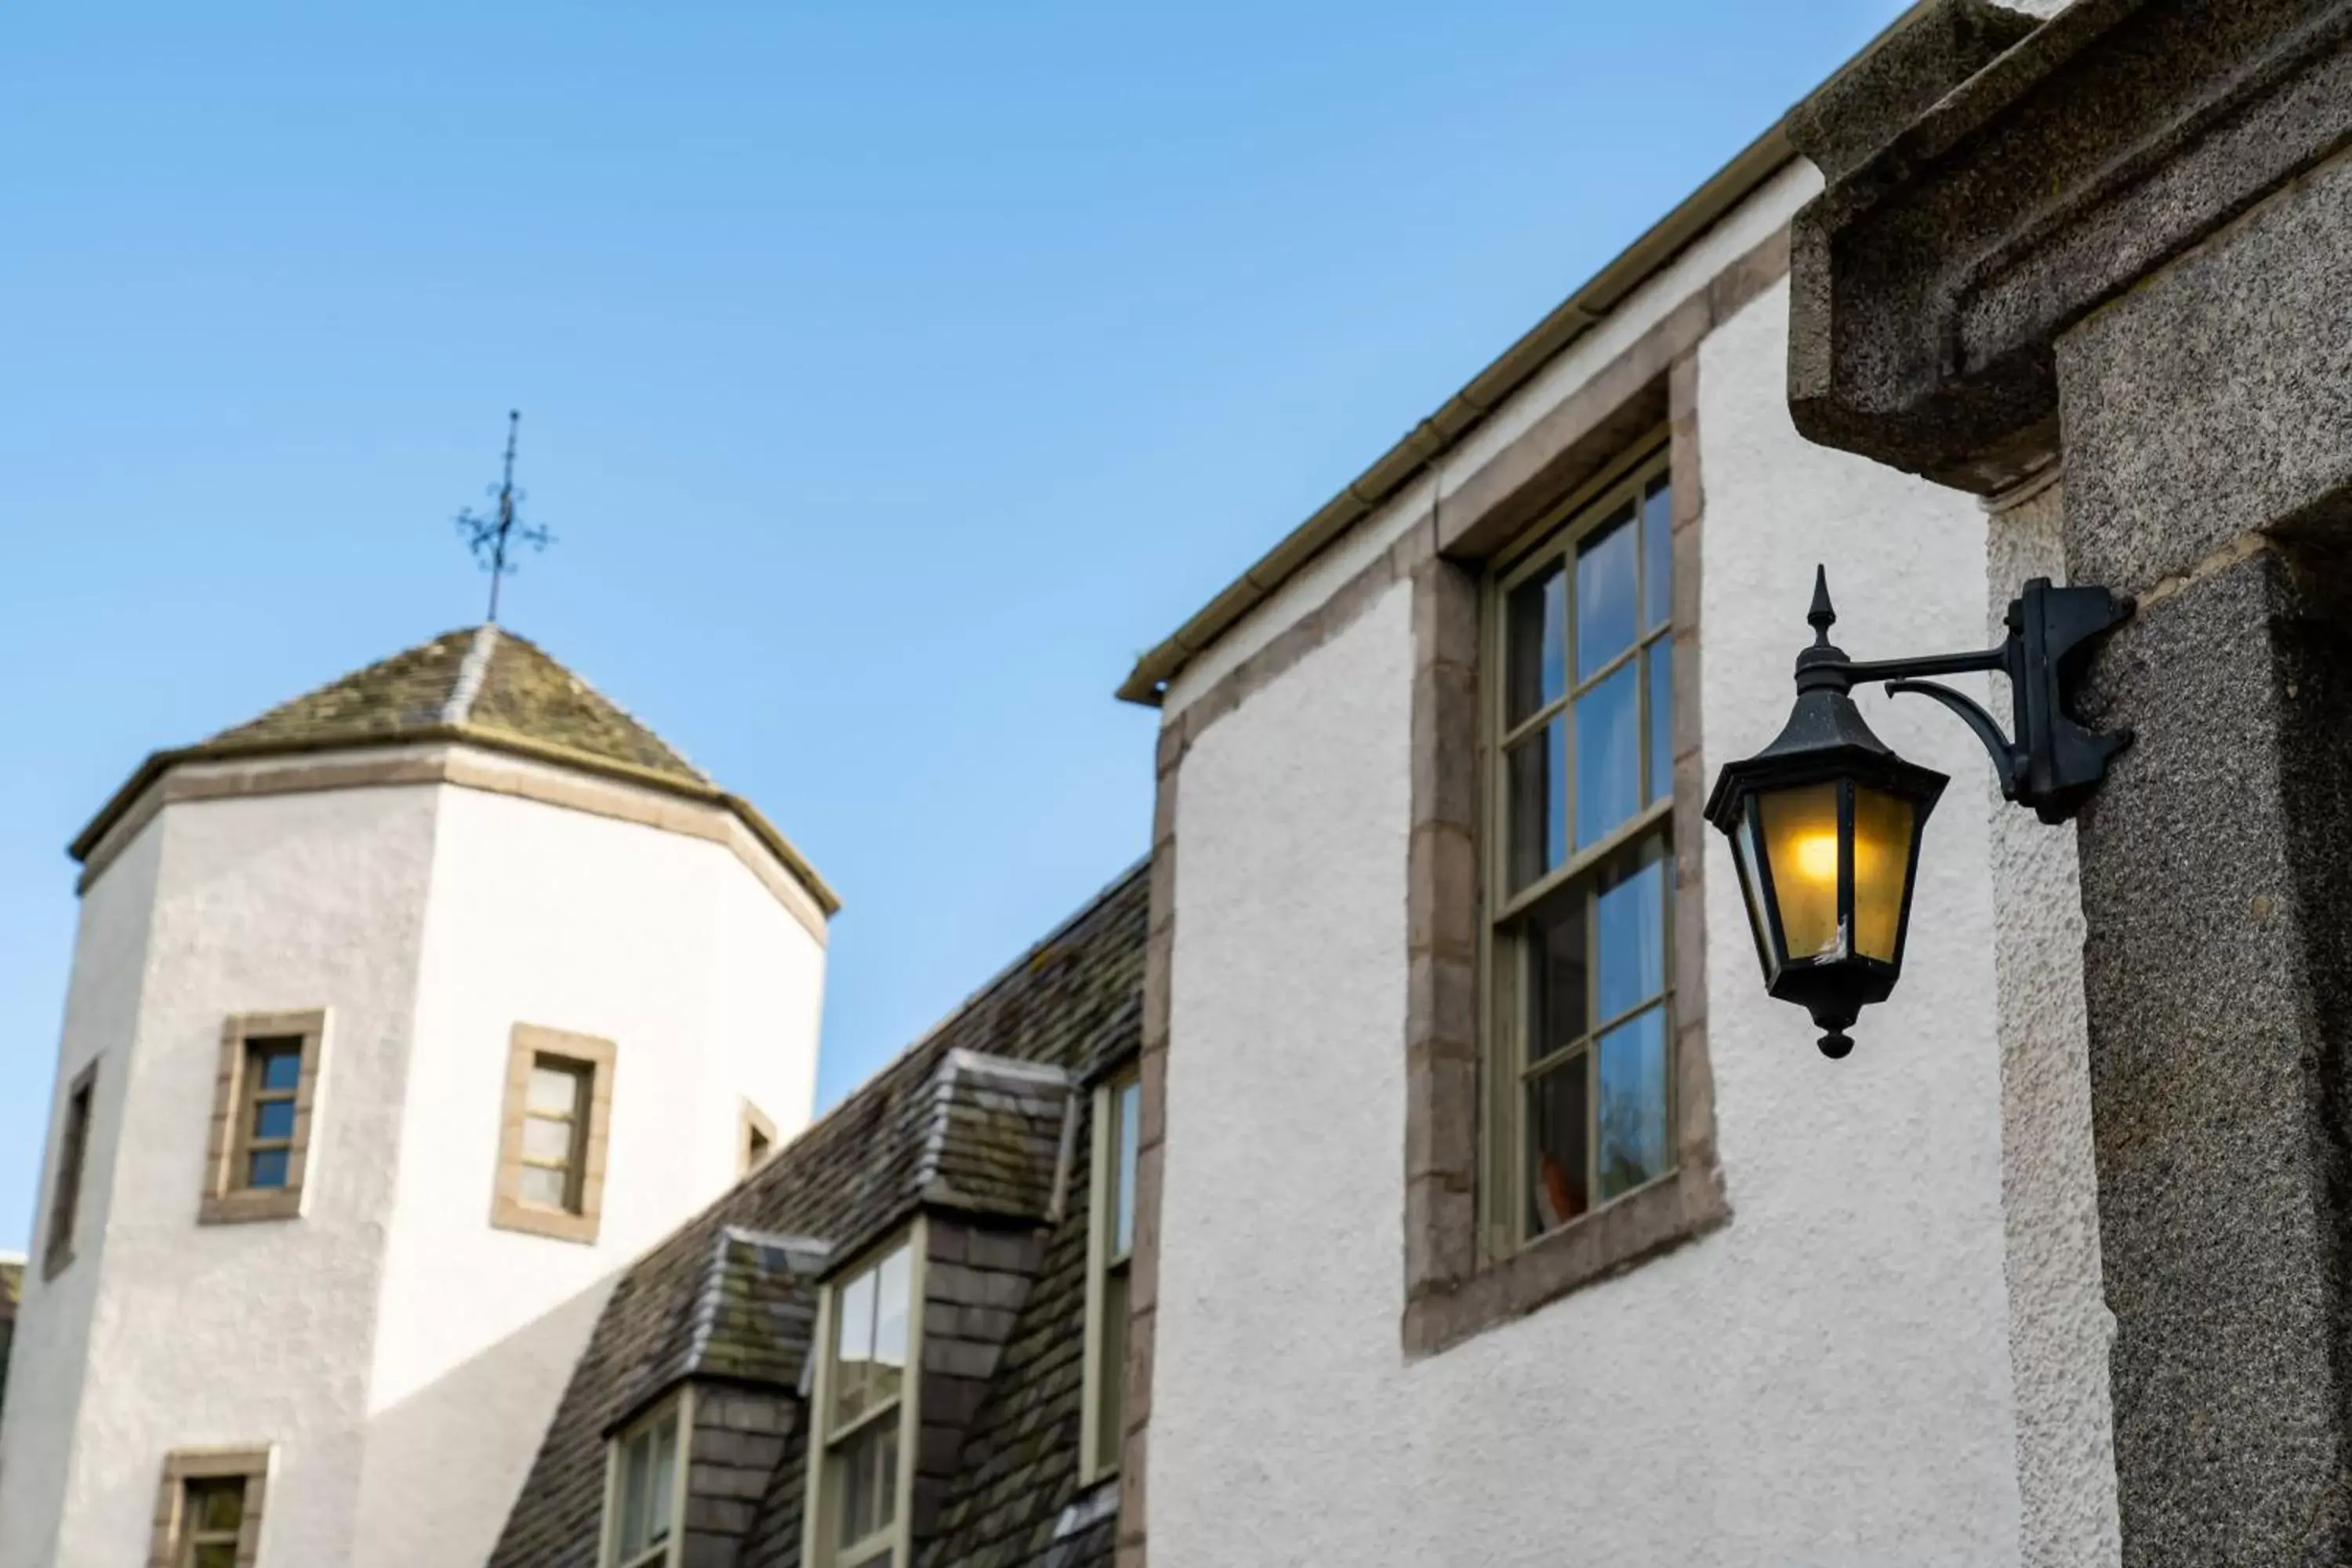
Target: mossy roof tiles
947,1116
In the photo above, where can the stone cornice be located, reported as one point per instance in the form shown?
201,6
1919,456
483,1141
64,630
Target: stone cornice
1930,279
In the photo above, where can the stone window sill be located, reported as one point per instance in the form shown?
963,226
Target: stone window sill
1608,1241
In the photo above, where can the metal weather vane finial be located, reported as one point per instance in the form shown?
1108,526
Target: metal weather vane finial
489,538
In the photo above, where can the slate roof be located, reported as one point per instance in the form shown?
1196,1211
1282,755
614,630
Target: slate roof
481,684
483,676
952,1123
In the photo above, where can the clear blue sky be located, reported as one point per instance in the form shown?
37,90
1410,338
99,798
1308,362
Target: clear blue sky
893,374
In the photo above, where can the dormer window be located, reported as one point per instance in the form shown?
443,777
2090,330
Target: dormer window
645,1486
1110,1251
863,1470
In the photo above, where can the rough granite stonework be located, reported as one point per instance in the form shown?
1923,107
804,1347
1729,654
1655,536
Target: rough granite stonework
1884,89
728,1302
1932,277
2123,241
2240,355
2214,992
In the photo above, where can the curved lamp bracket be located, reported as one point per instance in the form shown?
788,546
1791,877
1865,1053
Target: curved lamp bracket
2055,762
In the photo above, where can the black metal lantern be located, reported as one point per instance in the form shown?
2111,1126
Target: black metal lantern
1825,823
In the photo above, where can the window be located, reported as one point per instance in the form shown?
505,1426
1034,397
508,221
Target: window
759,1139
209,1515
263,1102
646,1495
861,1399
65,1189
1581,764
1110,1250
552,1146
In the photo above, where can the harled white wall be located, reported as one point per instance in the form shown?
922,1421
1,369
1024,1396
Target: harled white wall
664,944
1826,1380
46,1369
402,1355
244,1334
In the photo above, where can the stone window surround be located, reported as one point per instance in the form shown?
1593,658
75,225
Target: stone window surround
526,1045
1655,378
225,1201
756,1125
1457,1281
679,1404
186,1465
73,1164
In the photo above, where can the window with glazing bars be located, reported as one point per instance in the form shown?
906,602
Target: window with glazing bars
258,1158
862,1399
641,1514
1578,997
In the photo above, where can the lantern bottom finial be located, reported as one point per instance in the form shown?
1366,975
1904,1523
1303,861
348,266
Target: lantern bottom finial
1837,1045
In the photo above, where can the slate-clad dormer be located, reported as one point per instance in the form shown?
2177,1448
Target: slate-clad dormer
871,1350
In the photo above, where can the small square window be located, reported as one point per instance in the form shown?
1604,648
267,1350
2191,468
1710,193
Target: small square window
759,1139
262,1107
209,1515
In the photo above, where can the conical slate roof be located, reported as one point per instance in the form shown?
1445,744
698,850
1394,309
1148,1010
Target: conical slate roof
483,678
482,685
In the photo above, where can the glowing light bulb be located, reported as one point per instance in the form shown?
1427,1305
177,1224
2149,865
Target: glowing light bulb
1817,857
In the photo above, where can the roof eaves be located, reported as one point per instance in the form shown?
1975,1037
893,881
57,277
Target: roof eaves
158,763
1465,411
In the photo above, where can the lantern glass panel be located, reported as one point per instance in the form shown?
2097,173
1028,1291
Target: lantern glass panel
1801,844
1751,882
1882,826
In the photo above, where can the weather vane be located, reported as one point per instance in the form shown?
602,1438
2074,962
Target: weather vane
493,539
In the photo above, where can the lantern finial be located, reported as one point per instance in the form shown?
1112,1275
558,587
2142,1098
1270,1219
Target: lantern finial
1822,616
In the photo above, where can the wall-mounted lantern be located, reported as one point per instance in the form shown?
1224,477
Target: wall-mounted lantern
1825,823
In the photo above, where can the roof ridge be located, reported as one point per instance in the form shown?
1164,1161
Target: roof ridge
471,671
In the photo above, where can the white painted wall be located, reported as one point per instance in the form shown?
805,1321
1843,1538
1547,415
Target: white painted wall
402,1354
664,944
251,1333
1824,1382
47,1364
2060,1327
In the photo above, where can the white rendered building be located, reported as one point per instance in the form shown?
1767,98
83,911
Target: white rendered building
1497,1214
400,1019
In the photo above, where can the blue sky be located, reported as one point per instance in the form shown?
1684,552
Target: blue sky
892,375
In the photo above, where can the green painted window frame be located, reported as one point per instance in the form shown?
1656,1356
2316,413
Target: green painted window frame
895,1543
1507,1069
1111,1257
670,1550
